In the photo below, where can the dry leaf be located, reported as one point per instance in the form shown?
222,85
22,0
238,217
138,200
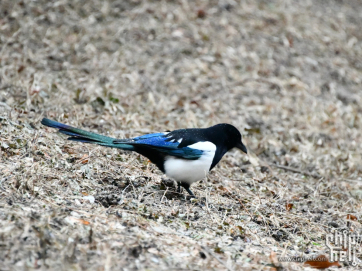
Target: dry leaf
84,159
78,220
351,217
69,150
84,222
322,263
289,206
201,14
274,260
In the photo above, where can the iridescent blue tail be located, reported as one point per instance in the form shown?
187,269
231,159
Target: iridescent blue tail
84,136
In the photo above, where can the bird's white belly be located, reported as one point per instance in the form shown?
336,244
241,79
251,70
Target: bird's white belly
189,171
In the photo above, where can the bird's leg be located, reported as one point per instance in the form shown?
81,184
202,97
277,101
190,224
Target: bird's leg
190,192
187,188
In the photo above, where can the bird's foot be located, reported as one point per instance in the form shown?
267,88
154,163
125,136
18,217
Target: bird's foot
200,202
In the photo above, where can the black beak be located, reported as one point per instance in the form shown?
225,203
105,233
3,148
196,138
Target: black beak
242,147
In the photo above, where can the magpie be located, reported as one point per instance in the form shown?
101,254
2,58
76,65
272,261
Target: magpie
186,155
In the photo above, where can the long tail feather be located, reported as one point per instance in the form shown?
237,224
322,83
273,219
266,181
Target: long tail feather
84,136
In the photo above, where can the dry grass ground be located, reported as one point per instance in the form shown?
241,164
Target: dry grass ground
287,73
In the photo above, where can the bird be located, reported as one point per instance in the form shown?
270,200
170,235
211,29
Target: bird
185,155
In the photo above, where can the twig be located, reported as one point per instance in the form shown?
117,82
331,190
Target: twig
164,194
6,87
216,257
314,175
261,80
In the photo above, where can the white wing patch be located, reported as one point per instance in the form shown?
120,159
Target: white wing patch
189,171
204,146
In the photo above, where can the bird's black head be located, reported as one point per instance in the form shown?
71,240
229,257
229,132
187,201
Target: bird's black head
230,136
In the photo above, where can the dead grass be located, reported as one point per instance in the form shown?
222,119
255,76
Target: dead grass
286,73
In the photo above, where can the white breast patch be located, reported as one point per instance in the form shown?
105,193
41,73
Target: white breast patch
189,171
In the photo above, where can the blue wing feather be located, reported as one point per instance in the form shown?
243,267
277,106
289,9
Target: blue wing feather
161,143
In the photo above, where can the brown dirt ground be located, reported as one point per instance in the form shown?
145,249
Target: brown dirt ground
287,73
